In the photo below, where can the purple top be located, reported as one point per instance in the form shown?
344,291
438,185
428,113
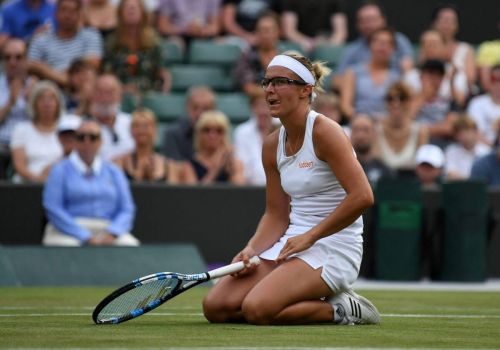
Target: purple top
184,12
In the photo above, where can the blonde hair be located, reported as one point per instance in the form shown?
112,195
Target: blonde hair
144,113
35,93
318,69
210,118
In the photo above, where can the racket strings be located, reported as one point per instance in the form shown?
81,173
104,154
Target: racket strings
147,296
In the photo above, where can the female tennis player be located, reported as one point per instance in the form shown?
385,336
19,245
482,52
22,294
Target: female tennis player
310,236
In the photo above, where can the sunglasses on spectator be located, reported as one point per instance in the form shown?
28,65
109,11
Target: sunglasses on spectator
81,137
17,57
278,82
392,98
208,130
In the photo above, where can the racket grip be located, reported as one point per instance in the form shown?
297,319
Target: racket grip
232,268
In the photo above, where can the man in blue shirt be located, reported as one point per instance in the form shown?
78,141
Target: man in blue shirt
24,18
87,200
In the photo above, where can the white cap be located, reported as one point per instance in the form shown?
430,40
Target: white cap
69,122
430,154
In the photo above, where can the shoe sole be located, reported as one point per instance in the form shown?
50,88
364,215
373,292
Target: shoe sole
366,303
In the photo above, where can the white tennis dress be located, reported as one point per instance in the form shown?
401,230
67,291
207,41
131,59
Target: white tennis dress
315,193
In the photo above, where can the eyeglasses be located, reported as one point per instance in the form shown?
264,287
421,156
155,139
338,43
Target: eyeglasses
208,130
17,57
81,137
278,82
399,98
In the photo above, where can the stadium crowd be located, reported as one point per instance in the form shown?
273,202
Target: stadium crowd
144,71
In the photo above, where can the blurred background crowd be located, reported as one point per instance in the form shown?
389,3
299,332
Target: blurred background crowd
100,92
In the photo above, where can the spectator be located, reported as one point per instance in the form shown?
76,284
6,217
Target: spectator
23,19
461,154
313,22
34,144
445,20
328,104
214,160
240,17
431,109
52,52
15,84
248,140
115,124
133,51
365,85
143,164
198,19
363,141
178,143
485,109
370,17
251,66
398,135
81,82
101,15
487,167
488,55
66,132
430,165
87,199
454,86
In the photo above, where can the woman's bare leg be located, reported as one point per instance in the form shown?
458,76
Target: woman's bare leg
223,302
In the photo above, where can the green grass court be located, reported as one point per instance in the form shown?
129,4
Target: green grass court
60,318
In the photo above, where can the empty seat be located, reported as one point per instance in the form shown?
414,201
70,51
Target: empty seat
286,45
329,53
171,52
167,107
185,76
210,52
235,105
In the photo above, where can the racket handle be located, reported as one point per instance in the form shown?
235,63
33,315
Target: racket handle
232,268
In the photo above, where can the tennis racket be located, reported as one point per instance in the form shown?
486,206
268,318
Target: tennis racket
147,293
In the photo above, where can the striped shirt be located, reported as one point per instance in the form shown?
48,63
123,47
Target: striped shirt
60,53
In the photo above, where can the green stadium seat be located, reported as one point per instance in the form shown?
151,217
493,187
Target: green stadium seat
329,53
167,107
235,105
172,53
289,46
129,103
185,76
210,52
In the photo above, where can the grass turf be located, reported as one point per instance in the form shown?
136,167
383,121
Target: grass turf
60,318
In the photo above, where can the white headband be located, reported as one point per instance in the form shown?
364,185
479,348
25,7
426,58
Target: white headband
295,66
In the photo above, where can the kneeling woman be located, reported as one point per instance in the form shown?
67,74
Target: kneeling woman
310,236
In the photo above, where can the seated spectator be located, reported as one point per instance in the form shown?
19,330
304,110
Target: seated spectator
487,168
454,86
461,154
198,19
488,56
248,139
445,20
143,164
313,22
87,199
66,132
23,19
81,82
485,109
15,84
105,107
51,53
34,144
398,135
133,52
214,160
100,15
430,108
328,104
430,165
363,141
370,17
366,84
251,66
178,144
239,18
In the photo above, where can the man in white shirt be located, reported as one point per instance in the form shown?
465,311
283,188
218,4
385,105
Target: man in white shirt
485,109
105,107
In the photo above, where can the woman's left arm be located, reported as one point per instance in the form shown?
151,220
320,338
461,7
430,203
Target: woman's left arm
332,146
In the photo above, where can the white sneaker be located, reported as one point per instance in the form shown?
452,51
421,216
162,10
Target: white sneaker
351,308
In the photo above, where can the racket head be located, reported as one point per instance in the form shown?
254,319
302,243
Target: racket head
137,298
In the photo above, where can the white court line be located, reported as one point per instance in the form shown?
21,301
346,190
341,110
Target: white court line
253,348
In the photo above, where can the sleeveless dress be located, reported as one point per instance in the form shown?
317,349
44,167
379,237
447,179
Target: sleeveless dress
404,159
315,193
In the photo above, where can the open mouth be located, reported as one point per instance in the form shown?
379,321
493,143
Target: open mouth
272,102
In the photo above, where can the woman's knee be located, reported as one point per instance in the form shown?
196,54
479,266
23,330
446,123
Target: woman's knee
218,309
256,311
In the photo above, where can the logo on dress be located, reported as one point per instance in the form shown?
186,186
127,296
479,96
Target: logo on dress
303,165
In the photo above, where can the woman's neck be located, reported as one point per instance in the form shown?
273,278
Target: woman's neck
143,151
45,126
378,64
295,123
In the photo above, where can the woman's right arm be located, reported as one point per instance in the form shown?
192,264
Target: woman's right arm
274,222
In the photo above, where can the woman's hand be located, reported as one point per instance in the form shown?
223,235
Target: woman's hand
295,245
245,256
